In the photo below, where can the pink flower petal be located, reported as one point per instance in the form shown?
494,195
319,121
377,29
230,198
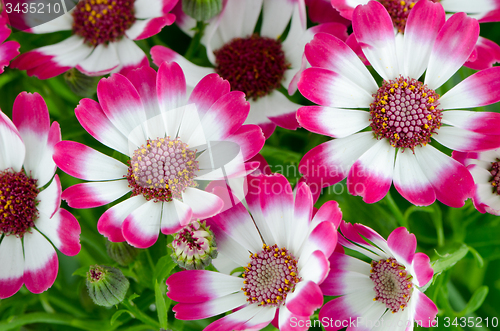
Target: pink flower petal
422,269
347,275
345,9
130,56
330,212
175,216
103,59
454,44
315,268
403,245
482,122
425,309
202,203
95,194
50,198
323,238
143,29
466,141
305,299
81,161
200,310
40,262
288,321
93,119
371,175
487,53
451,181
378,43
63,230
194,286
142,227
207,91
13,151
12,260
480,89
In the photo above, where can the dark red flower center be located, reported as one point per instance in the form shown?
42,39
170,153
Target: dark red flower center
17,202
393,286
495,176
270,276
162,169
103,21
405,112
255,65
399,11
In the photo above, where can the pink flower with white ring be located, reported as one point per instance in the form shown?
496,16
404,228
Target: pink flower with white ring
9,49
102,41
30,218
486,52
485,169
282,237
257,64
404,113
384,292
173,143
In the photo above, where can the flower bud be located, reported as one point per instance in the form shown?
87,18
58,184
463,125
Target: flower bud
194,246
122,253
107,285
202,10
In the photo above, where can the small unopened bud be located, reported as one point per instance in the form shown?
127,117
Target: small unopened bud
194,246
107,285
202,10
122,253
81,84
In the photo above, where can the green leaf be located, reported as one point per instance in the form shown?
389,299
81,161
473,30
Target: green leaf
163,268
81,271
161,305
477,256
58,319
476,301
449,260
118,313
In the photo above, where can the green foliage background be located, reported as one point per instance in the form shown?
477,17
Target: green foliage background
465,243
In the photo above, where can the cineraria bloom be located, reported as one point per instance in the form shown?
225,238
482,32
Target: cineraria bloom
282,251
172,143
9,49
384,293
485,169
321,11
486,52
403,113
102,37
29,206
255,63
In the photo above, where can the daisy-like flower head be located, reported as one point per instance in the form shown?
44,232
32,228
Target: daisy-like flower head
255,63
9,49
485,54
485,169
29,205
384,292
172,143
102,37
284,253
404,113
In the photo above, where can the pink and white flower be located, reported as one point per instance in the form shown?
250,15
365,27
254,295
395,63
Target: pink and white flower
257,64
173,143
102,41
404,113
283,238
485,169
384,292
9,49
30,214
486,52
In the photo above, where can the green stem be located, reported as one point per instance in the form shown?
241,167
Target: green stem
395,210
150,260
195,42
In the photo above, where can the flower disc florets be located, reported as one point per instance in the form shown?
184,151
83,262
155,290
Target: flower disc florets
495,176
17,202
162,169
405,112
270,276
255,65
399,11
393,285
103,21
194,246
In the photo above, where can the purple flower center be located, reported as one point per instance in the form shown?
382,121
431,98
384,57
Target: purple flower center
399,11
270,276
162,169
393,286
17,202
495,176
405,112
255,65
102,21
